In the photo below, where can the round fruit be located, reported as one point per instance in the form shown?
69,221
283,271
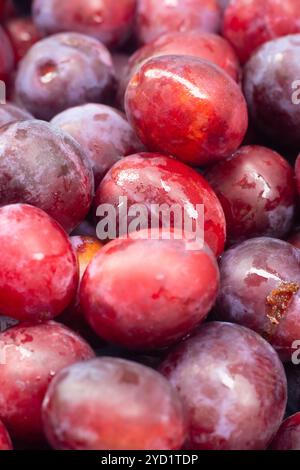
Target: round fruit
38,271
42,166
157,18
260,282
152,307
250,23
112,404
186,107
233,386
257,191
153,180
103,133
64,70
30,356
110,21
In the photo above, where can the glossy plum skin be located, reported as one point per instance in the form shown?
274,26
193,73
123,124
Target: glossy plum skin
147,309
38,272
31,356
6,57
269,81
108,410
199,114
288,436
42,166
157,18
257,191
109,21
260,281
50,79
10,113
103,133
250,23
206,46
230,406
22,33
148,178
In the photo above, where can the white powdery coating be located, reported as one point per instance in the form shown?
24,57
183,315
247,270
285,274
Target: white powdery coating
233,386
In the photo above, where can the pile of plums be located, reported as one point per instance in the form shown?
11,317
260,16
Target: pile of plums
120,332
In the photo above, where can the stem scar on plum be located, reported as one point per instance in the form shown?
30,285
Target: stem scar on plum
277,303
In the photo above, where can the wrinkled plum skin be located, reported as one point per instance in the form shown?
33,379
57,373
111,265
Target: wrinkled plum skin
110,21
50,79
5,442
255,275
250,209
108,409
147,309
23,34
188,108
156,179
268,86
206,46
33,355
6,56
10,113
288,436
250,23
157,18
103,133
42,166
230,406
38,272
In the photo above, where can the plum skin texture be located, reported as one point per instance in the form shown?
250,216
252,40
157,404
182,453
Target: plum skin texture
269,78
259,289
230,405
250,23
109,21
42,166
288,435
186,107
9,113
207,46
32,354
50,79
151,178
38,272
148,309
103,133
250,209
95,418
22,33
157,18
